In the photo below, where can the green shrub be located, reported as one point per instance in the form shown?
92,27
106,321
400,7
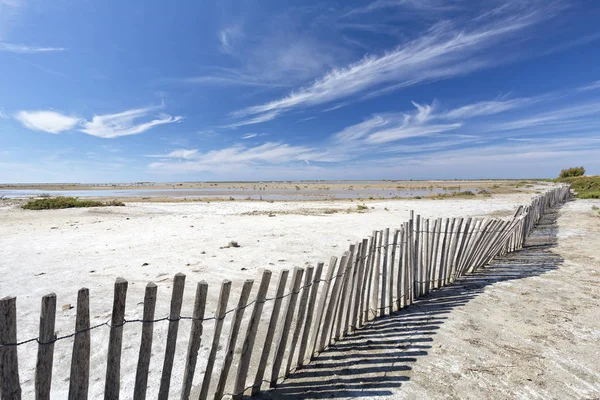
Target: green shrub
66,202
361,207
571,172
589,195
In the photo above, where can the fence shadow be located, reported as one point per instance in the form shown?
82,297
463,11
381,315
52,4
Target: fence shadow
377,359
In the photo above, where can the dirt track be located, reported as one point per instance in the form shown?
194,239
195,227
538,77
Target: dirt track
527,327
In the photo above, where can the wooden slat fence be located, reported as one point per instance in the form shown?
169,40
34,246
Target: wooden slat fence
374,278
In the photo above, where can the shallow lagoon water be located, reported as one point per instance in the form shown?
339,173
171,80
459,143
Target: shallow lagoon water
237,194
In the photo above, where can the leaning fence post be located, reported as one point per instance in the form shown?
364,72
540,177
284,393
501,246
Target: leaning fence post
264,357
299,319
309,315
174,315
238,314
195,339
43,368
287,324
9,363
141,376
248,345
115,342
80,360
219,317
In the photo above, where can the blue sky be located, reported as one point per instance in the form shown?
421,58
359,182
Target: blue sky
121,91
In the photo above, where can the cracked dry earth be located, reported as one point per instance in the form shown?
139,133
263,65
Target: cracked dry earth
525,327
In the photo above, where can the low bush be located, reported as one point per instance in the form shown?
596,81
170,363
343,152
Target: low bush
586,187
571,172
55,203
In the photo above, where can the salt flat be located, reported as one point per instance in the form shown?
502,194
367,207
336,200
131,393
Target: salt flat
62,250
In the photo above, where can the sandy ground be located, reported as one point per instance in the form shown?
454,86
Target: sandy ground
62,250
526,327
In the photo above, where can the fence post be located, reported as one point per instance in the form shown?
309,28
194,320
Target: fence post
43,368
321,307
238,314
195,339
9,364
141,376
115,342
287,323
174,315
248,344
264,357
80,360
309,315
219,317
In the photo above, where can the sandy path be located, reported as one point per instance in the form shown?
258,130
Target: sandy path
528,327
62,250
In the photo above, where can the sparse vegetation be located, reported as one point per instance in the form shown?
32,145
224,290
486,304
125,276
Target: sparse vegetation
571,172
586,187
55,203
361,207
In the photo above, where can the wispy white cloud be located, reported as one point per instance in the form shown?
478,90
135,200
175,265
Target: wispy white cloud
253,135
123,123
443,51
560,116
104,126
591,86
238,157
228,38
489,108
426,6
186,154
425,120
268,116
47,121
21,48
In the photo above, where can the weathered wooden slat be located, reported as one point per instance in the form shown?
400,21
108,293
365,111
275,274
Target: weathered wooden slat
356,320
426,256
219,317
300,315
391,272
234,331
248,344
347,305
371,266
287,324
447,261
141,376
452,257
349,323
264,357
440,272
401,267
384,272
364,295
376,275
174,314
341,307
195,339
310,309
417,275
112,385
10,387
80,360
329,315
321,307
45,356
